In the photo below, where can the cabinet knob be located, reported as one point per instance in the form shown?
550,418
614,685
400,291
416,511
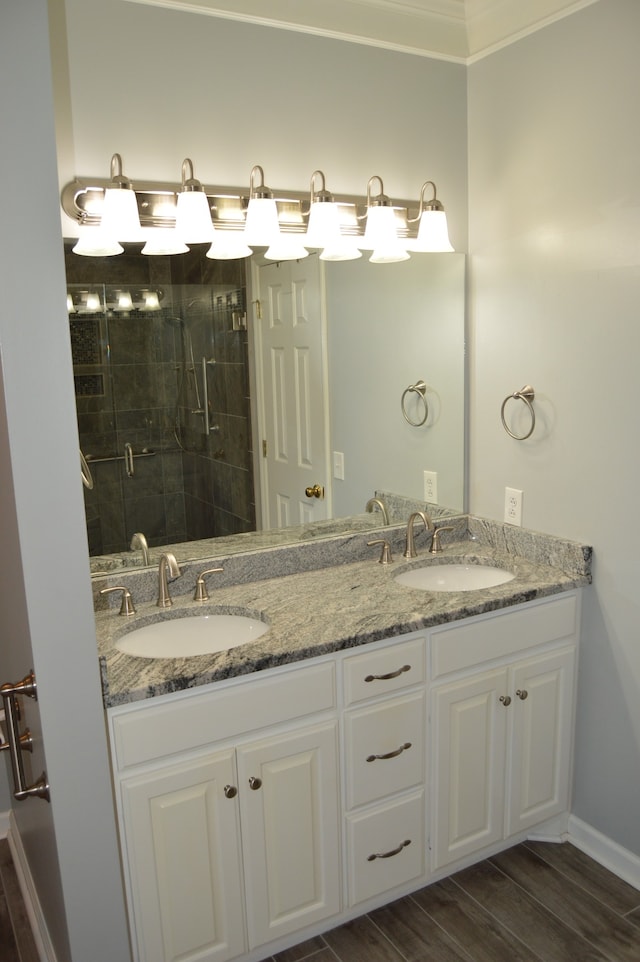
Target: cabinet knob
230,791
506,700
255,783
522,693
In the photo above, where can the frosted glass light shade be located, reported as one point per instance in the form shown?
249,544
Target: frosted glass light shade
120,214
381,237
261,227
287,247
323,228
228,246
94,242
164,241
433,233
389,255
193,217
344,249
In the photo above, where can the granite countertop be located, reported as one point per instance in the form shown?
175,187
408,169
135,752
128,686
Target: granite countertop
340,606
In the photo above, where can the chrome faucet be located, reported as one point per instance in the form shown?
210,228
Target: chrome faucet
167,562
410,547
139,541
377,503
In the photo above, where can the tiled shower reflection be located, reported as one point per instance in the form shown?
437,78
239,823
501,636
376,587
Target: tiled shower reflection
160,362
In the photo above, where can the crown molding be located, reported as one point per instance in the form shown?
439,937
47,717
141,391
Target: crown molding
457,30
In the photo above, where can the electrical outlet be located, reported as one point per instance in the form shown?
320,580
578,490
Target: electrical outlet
430,479
338,465
512,506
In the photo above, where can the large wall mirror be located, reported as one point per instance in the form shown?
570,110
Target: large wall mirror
236,399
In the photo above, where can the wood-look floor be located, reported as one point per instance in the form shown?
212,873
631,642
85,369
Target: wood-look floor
16,939
536,902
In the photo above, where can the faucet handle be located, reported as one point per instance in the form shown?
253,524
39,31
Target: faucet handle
436,547
385,554
127,606
201,594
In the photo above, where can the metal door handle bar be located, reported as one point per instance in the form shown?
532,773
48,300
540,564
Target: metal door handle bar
20,742
394,851
398,751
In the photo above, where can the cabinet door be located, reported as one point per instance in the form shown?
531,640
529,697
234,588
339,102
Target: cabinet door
470,726
182,841
542,719
290,830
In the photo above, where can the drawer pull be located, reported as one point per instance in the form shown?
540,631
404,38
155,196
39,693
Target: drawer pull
398,751
255,783
230,791
506,700
394,851
522,693
391,674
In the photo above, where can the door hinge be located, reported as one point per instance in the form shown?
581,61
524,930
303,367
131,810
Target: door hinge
264,449
258,310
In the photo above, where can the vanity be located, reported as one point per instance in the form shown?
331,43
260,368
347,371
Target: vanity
375,738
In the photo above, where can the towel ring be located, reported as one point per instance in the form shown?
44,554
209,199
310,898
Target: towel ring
526,394
85,472
419,388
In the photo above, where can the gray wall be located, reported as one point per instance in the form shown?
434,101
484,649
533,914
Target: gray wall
554,148
45,599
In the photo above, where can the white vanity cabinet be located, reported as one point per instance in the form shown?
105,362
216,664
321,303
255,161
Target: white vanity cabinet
502,725
261,810
236,843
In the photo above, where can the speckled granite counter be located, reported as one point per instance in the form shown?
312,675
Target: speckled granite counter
337,605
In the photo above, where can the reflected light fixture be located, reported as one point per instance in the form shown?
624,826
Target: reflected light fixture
433,233
261,227
286,247
381,234
228,246
323,226
193,214
93,242
163,240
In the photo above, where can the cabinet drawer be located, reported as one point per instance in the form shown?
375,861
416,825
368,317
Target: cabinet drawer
156,731
499,636
385,847
383,671
394,730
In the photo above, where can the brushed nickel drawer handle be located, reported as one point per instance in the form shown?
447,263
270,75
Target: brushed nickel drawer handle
394,851
392,674
398,751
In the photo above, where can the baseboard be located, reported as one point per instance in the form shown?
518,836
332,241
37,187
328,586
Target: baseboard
602,849
4,823
29,894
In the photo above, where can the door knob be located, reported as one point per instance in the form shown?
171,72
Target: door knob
317,491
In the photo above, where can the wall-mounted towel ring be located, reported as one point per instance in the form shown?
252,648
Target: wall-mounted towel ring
526,394
85,472
419,388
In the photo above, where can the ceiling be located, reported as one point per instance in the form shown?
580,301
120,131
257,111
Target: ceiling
459,30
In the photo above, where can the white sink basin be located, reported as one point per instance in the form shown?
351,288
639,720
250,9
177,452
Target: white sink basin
195,635
454,577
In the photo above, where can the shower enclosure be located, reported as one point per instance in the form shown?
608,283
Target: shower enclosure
160,360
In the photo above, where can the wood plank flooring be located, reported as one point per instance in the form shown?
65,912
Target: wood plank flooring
16,939
536,902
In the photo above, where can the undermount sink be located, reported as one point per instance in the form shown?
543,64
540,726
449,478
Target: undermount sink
454,577
183,637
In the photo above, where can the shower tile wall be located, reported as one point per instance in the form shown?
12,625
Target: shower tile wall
138,380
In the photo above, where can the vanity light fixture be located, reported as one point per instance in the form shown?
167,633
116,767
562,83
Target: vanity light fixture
233,221
433,233
381,232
